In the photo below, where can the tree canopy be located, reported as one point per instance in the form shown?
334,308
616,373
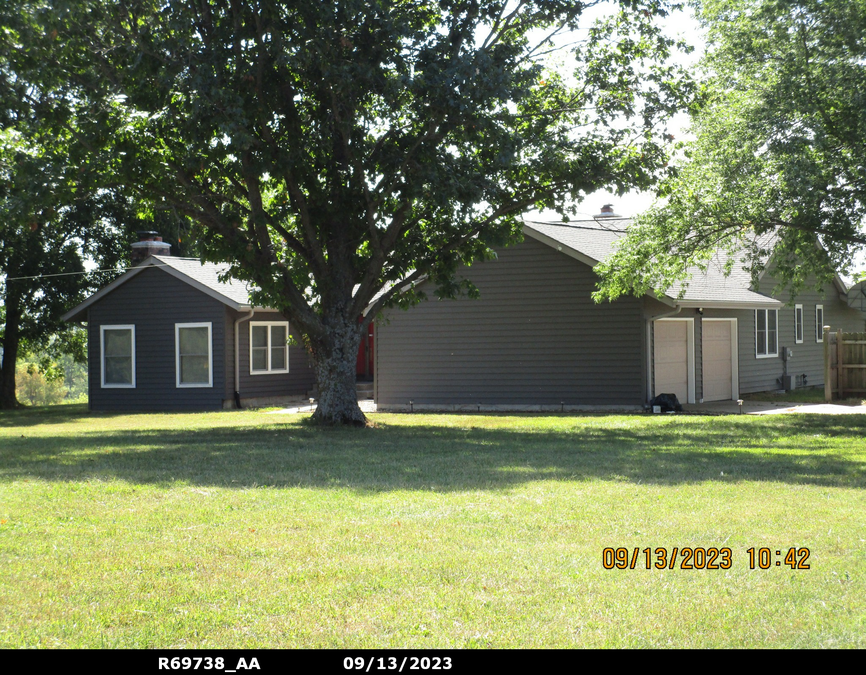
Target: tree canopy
49,223
60,205
336,152
778,164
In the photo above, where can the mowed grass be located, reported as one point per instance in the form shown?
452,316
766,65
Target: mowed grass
811,395
247,529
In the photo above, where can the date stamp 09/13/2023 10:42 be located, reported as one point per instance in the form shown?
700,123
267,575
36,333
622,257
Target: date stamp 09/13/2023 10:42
699,558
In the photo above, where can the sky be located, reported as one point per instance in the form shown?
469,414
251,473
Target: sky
680,24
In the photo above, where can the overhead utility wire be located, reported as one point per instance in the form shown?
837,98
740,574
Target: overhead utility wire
66,274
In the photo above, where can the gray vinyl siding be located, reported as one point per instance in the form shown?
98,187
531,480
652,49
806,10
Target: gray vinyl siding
229,363
154,301
763,374
808,357
534,337
652,309
297,382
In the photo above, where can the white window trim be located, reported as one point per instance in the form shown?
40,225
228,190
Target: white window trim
191,385
802,328
819,325
768,355
102,330
269,371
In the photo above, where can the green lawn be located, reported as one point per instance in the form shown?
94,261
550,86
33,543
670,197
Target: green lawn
246,529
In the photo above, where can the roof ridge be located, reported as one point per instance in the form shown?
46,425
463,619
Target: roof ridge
594,241
576,226
177,257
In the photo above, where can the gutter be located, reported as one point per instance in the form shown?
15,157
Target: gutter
666,314
238,357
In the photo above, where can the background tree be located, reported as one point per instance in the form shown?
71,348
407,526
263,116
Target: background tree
779,158
59,207
46,231
56,374
337,152
37,387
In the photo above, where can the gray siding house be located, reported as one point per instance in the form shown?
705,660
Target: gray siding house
169,335
536,339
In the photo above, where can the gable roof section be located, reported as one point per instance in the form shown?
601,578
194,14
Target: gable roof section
202,276
591,241
205,277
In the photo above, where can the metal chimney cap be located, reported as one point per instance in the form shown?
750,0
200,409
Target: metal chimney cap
151,244
607,212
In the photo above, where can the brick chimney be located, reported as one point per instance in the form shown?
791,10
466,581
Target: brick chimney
148,244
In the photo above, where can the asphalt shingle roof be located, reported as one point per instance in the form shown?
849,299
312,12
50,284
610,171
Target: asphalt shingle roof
596,239
208,274
591,240
202,275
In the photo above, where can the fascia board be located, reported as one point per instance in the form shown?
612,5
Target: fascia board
207,290
769,303
406,287
559,246
102,292
585,259
155,263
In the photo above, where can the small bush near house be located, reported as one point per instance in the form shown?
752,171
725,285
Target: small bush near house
41,380
35,388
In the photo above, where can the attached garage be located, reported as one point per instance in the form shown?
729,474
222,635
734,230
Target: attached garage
719,348
535,339
674,358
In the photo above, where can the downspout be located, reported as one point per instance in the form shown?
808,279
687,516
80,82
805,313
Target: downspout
649,343
238,357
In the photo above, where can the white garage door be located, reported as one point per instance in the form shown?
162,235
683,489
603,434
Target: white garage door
717,359
671,356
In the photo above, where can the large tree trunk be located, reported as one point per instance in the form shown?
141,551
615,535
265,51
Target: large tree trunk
334,357
11,341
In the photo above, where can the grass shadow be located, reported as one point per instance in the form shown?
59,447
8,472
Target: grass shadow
30,416
816,450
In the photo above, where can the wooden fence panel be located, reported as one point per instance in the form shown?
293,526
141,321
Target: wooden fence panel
844,364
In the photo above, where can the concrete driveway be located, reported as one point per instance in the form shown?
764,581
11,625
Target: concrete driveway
773,408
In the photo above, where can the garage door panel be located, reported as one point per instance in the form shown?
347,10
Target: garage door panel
671,344
717,360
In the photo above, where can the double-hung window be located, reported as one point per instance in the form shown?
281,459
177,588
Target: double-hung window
117,346
193,354
766,333
819,323
269,349
798,324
